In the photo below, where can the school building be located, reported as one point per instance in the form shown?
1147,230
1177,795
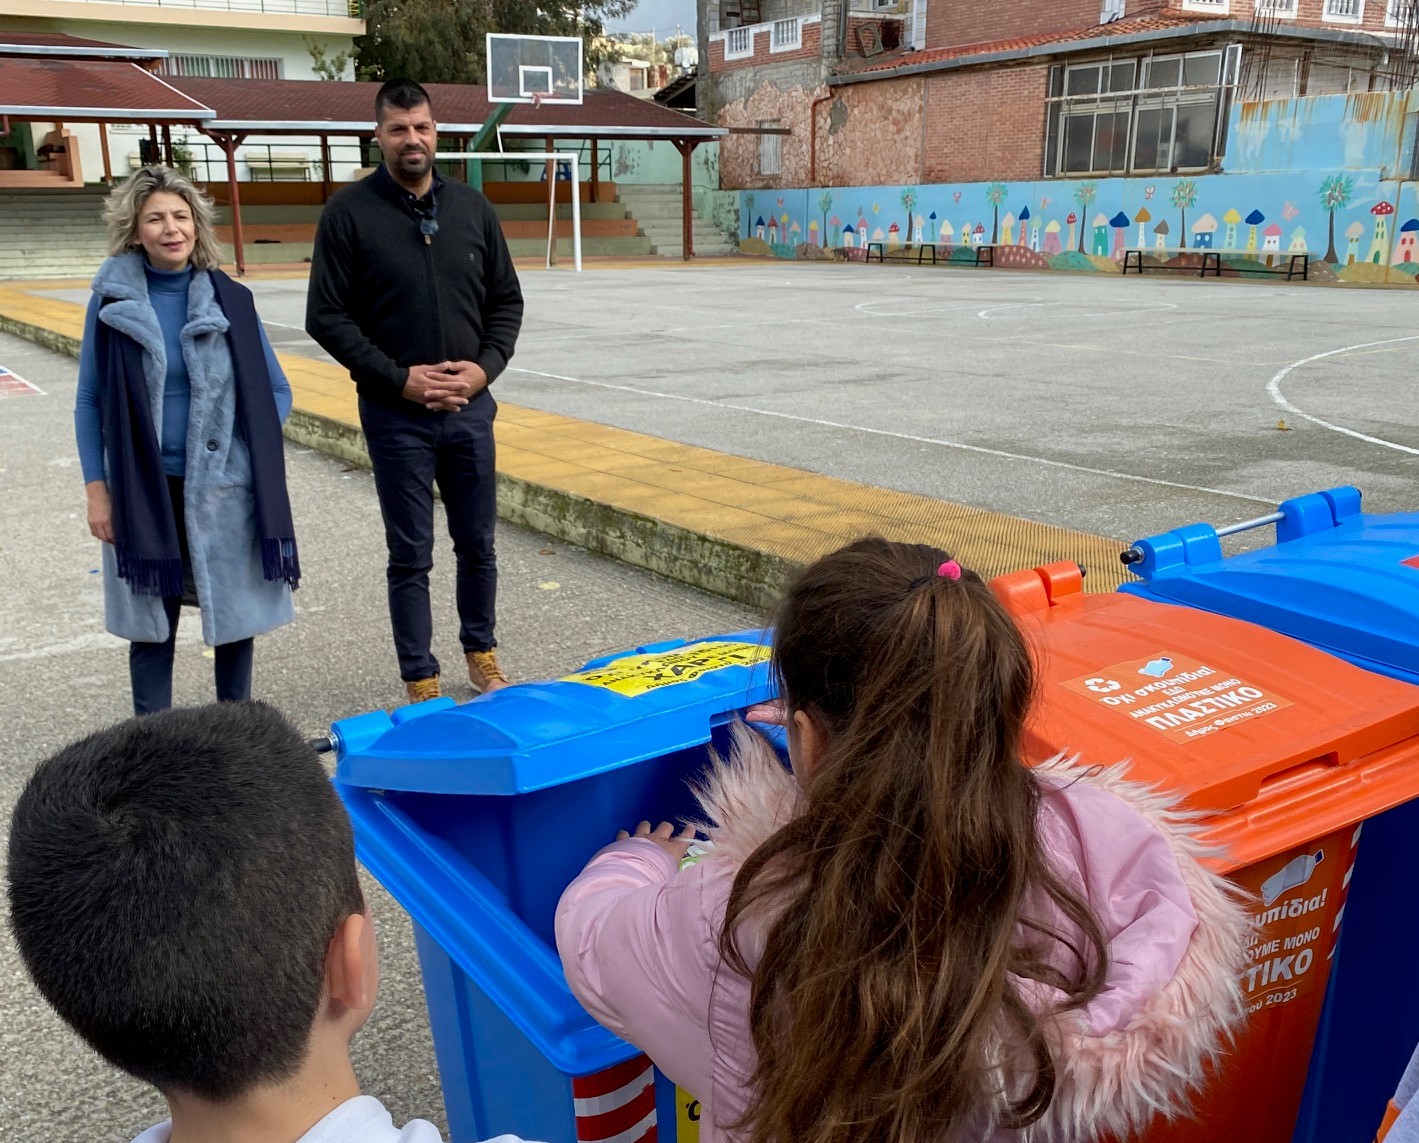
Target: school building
1073,127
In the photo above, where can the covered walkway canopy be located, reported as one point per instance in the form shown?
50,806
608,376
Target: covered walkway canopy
58,78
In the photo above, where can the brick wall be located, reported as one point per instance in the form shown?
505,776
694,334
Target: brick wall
854,45
811,48
985,124
950,24
1311,13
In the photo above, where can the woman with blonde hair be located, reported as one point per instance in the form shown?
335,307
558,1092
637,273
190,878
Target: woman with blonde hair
178,421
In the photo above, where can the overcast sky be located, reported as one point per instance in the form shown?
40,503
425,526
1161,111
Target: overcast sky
662,15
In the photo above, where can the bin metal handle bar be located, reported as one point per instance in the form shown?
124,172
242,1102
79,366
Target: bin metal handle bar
1135,556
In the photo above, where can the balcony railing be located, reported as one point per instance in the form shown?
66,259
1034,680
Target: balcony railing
1351,10
340,9
739,42
1277,7
787,35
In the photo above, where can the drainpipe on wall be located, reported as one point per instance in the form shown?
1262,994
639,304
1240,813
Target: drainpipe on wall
813,136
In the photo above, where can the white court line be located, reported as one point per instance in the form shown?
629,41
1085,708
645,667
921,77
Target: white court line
1273,387
1046,462
985,313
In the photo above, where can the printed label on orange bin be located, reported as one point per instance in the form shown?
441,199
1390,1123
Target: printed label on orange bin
1177,696
1299,897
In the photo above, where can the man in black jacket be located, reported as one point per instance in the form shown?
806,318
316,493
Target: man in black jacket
412,289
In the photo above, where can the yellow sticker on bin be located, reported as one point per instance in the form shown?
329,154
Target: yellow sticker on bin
640,674
687,1117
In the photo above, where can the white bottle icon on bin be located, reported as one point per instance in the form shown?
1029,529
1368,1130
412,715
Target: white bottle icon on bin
1296,872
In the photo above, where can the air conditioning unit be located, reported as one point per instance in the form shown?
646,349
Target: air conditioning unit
1112,10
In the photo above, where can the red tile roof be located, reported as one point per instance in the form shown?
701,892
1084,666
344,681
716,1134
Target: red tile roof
1162,21
306,106
81,90
61,44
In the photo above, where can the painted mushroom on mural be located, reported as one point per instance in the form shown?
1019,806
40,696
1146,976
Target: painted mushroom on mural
1100,244
1120,223
1072,220
1353,233
1143,218
1254,219
1271,241
1379,245
1160,234
1233,219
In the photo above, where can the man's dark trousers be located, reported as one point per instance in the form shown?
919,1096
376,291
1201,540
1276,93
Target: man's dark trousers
411,450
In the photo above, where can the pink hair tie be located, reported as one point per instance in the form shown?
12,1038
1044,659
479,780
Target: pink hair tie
949,570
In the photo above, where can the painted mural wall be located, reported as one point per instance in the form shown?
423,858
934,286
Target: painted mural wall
1337,199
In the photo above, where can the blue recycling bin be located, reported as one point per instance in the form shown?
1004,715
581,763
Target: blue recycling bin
1348,583
476,817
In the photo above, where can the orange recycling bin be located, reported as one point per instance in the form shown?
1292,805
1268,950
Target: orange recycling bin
1285,748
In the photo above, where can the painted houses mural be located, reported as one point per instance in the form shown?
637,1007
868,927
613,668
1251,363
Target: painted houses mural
1303,176
1354,227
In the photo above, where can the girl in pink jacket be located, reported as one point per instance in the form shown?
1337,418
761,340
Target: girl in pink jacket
913,937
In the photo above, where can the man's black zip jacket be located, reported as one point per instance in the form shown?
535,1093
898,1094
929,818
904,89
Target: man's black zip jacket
382,298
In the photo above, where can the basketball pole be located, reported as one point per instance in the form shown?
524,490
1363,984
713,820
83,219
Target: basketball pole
567,156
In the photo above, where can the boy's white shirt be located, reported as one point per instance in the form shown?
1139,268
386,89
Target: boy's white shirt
359,1120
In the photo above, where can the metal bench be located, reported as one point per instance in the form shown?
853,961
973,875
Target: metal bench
1211,260
984,254
1298,264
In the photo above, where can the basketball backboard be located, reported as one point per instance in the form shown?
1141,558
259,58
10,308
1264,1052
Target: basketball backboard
534,69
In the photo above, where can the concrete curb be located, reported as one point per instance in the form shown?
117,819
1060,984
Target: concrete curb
743,574
48,338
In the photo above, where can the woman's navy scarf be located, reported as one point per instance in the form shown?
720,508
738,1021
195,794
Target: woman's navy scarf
145,538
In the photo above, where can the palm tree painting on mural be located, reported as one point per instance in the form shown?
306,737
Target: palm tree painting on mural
1335,195
825,204
909,205
748,215
1184,198
995,195
1084,194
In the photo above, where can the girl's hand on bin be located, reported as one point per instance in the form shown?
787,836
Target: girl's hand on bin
664,835
773,713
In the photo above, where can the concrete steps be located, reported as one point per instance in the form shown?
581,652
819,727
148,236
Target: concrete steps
659,210
537,247
51,233
537,212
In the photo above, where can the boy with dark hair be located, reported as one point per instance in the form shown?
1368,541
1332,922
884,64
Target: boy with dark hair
183,892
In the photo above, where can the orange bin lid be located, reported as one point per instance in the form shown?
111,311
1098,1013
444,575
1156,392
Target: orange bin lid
1277,741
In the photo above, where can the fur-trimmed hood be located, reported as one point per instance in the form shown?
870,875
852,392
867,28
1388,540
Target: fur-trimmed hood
1173,998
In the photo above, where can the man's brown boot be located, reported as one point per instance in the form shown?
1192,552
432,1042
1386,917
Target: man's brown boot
485,672
421,690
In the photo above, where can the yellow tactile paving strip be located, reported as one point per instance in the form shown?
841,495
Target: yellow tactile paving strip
786,513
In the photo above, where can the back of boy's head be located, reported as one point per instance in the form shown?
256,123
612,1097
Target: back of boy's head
175,882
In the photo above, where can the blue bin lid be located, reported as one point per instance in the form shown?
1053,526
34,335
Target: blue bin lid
1336,578
616,711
